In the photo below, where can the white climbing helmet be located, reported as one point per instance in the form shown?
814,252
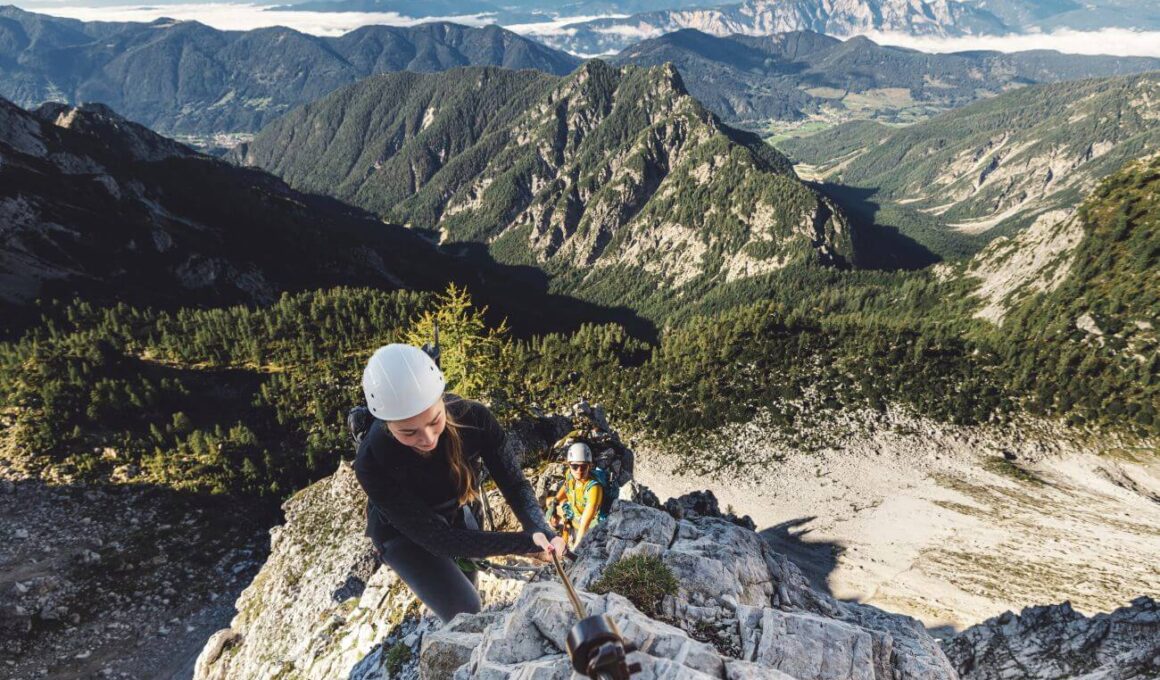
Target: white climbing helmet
401,381
579,453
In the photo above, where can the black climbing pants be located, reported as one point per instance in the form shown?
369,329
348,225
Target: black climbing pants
437,581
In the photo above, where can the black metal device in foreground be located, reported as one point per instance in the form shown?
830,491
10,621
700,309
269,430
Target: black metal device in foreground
598,651
594,644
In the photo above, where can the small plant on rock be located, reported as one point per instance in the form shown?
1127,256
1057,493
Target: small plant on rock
643,579
397,656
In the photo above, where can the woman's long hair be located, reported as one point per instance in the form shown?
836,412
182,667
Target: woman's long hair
462,474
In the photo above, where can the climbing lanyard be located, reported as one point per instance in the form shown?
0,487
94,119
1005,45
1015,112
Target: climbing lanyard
576,603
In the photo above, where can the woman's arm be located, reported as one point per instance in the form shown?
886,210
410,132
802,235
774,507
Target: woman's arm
417,521
509,478
592,501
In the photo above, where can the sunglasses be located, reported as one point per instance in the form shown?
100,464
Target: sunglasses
577,466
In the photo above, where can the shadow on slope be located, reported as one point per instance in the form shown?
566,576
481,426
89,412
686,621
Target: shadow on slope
816,559
521,293
880,244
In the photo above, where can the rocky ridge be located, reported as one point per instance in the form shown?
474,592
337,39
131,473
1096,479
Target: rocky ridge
320,608
91,201
1058,642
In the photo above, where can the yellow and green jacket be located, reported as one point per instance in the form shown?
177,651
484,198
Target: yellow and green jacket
577,496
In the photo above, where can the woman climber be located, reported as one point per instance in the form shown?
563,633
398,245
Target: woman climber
581,497
419,464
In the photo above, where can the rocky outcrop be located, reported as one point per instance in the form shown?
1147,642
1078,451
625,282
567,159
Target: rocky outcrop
732,581
1058,642
320,609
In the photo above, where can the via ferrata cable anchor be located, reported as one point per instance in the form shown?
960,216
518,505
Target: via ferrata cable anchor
594,644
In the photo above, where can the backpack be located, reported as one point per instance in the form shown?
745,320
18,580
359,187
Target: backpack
358,423
611,492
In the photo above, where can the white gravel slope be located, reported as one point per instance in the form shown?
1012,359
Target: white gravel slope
930,520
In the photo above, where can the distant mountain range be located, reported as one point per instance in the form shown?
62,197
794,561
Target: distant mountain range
616,182
191,80
767,17
502,11
188,78
93,204
996,167
852,17
793,75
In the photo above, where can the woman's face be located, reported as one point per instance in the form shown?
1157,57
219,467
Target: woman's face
421,432
580,470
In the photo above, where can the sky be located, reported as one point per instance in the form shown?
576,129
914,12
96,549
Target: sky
1120,42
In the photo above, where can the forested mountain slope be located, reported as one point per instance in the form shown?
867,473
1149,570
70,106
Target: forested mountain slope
183,77
92,203
614,181
997,166
1084,297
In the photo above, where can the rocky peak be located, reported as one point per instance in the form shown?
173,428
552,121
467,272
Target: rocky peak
129,141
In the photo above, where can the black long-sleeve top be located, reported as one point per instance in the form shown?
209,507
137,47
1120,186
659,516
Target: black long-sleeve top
404,488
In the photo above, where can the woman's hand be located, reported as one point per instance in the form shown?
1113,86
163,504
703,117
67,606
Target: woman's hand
556,545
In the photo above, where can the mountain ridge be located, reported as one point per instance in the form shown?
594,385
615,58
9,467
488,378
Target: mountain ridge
803,74
187,78
992,168
761,17
929,18
607,169
95,203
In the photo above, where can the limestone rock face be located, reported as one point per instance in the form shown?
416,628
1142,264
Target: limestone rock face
318,604
1058,642
320,609
727,573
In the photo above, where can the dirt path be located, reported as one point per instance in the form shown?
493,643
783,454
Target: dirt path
938,524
